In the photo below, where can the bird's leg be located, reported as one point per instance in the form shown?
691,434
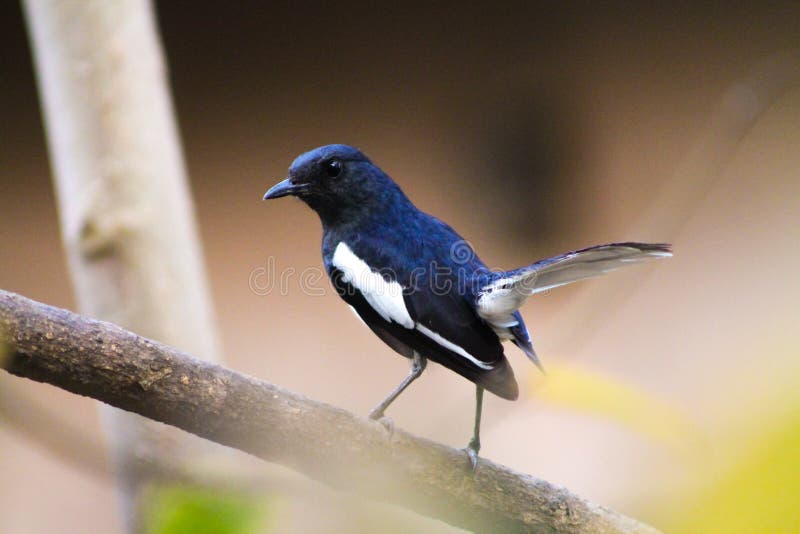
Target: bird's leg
418,364
474,445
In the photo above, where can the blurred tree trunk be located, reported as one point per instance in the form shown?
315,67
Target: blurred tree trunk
126,216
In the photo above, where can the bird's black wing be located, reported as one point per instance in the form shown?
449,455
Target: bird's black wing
409,314
450,332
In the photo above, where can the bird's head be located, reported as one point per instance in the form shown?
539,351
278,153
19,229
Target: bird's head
338,182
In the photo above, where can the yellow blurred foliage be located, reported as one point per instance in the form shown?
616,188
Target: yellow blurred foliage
576,388
745,480
760,492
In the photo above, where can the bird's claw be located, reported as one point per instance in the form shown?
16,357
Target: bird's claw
386,422
472,455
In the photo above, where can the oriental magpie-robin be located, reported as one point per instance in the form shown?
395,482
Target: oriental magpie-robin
418,285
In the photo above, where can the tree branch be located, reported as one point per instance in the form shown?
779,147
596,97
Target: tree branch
103,361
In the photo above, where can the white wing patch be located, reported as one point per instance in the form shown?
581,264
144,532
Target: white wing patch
453,347
386,298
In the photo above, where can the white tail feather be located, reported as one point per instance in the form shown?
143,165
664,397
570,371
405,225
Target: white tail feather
501,297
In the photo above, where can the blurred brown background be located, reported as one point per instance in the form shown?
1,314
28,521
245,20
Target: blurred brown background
532,129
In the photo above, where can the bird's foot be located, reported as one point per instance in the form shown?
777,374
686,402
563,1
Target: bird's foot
472,453
386,422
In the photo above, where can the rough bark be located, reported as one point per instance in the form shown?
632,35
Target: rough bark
103,361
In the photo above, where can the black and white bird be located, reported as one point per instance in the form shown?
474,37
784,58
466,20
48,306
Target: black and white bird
418,285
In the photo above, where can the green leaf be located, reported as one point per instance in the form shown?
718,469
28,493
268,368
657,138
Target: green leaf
180,509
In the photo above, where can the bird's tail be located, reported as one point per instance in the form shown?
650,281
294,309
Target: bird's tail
523,341
500,296
500,381
504,292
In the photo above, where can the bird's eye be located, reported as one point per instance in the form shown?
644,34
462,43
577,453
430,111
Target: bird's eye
333,168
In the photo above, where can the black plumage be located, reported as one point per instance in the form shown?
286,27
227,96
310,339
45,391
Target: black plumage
418,285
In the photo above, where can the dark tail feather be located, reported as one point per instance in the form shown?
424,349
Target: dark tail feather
500,381
522,339
527,348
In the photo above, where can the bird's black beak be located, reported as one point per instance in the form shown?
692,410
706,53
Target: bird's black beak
284,188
